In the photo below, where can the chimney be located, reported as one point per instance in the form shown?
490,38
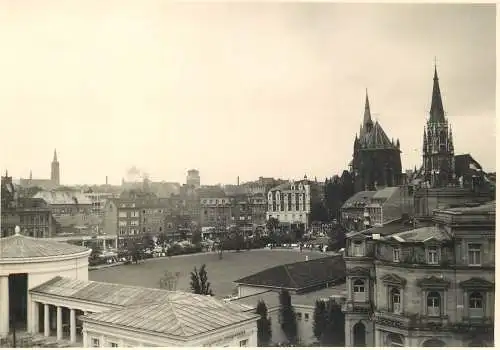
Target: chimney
238,181
106,179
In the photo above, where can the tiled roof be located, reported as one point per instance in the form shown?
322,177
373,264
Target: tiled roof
376,139
395,226
385,193
22,247
119,295
489,207
421,234
175,319
299,275
359,199
63,197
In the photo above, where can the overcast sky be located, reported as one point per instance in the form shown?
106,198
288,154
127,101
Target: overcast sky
234,89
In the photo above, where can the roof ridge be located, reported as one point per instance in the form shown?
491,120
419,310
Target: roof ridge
181,325
294,283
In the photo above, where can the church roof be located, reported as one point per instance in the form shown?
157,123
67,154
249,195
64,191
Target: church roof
376,138
23,247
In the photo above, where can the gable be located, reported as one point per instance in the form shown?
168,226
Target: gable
477,283
393,279
433,282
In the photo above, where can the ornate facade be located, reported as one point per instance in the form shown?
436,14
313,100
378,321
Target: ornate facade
427,286
376,159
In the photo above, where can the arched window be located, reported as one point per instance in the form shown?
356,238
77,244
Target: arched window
433,304
394,339
395,300
476,305
359,334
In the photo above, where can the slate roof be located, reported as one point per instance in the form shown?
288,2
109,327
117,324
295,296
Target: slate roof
376,139
299,275
486,208
63,197
119,295
175,319
359,200
23,247
395,226
421,234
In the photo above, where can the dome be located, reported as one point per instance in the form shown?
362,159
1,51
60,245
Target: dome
22,247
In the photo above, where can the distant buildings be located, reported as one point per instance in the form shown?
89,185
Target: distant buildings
66,203
46,184
418,284
193,179
291,203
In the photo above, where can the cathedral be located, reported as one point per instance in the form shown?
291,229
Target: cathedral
376,159
438,167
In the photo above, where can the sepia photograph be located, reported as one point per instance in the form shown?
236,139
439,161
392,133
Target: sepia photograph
247,174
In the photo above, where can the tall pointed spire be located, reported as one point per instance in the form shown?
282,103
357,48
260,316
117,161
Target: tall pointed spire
55,155
437,110
367,119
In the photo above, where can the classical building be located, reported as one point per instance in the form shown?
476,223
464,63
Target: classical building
215,207
376,159
46,184
291,203
417,284
55,305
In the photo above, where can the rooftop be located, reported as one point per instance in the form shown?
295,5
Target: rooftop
22,247
359,199
119,295
299,275
421,234
63,197
395,226
172,318
486,208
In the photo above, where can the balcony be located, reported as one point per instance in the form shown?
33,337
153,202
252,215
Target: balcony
391,319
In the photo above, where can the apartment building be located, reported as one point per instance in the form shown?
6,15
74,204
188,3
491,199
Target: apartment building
423,284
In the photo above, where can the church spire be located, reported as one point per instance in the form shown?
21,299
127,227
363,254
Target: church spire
55,155
437,110
367,119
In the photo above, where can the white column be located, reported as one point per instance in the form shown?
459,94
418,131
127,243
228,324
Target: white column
35,314
377,338
72,325
46,320
85,339
59,323
4,306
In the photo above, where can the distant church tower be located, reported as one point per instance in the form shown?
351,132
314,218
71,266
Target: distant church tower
437,150
54,174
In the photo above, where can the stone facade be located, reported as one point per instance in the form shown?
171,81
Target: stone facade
431,286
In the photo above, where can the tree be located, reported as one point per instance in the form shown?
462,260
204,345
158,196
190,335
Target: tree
169,280
199,281
264,332
288,320
334,332
320,319
272,224
134,250
196,238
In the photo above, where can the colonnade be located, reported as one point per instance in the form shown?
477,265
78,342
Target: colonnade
48,320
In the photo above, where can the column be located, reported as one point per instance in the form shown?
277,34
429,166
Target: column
46,320
377,338
72,325
85,339
4,306
35,314
59,323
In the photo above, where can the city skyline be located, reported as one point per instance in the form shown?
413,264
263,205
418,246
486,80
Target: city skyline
235,89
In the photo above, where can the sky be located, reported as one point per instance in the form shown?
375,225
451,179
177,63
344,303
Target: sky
234,89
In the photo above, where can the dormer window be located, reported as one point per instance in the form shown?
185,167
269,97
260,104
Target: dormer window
357,248
396,254
433,255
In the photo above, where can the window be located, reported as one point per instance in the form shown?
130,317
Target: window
357,249
306,317
476,305
395,301
359,290
433,304
113,345
298,315
396,254
474,254
95,343
244,343
432,256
